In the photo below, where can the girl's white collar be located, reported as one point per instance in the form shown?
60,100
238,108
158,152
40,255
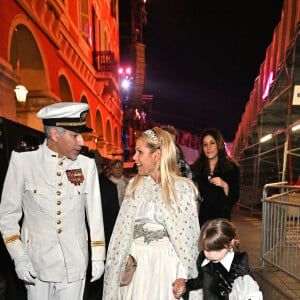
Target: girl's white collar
226,261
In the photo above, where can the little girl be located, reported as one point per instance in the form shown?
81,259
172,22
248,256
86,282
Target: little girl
219,263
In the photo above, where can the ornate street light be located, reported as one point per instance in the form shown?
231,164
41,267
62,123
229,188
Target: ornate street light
20,90
21,93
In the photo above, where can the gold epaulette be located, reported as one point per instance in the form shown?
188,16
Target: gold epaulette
12,238
97,243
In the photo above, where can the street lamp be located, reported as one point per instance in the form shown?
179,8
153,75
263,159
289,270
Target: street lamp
21,93
125,77
20,90
125,80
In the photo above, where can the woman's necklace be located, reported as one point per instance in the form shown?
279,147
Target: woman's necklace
212,168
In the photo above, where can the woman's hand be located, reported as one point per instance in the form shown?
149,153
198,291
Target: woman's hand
179,287
218,181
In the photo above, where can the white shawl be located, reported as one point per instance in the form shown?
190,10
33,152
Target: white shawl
180,221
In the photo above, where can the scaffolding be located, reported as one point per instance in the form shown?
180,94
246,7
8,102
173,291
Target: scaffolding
271,114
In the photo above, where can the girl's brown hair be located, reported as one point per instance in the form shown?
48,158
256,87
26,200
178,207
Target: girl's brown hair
217,234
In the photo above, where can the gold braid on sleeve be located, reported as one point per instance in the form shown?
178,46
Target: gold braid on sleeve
97,243
12,238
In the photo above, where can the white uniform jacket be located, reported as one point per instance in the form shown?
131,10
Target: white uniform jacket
55,196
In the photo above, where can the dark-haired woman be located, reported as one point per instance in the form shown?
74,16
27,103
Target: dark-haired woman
217,176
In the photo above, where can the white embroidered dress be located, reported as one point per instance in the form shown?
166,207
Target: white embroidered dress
163,240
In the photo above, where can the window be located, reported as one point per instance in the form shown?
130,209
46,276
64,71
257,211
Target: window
113,8
84,20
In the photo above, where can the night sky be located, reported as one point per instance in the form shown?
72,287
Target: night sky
203,57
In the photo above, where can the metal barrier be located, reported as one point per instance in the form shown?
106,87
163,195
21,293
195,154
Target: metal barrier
280,244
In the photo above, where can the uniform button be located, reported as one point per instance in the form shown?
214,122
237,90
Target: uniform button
58,202
60,183
58,174
61,163
34,191
58,212
78,192
58,193
58,230
58,222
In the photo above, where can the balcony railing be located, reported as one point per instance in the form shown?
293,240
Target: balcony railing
104,61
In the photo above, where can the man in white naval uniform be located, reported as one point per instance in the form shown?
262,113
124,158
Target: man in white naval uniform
55,189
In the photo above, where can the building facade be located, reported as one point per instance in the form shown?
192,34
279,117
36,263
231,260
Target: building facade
63,50
267,142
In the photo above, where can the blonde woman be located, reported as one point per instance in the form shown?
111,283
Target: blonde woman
157,225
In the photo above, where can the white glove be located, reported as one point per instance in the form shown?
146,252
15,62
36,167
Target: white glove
24,269
97,269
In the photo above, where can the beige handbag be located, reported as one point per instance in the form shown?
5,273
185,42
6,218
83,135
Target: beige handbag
129,270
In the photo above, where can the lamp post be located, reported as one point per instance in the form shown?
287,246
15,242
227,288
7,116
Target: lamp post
125,78
126,82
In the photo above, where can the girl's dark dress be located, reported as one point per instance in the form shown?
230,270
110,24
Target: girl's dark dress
215,204
215,279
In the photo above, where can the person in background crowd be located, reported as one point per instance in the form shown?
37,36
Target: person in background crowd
107,171
217,176
157,225
110,209
219,264
54,188
109,199
118,178
183,166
